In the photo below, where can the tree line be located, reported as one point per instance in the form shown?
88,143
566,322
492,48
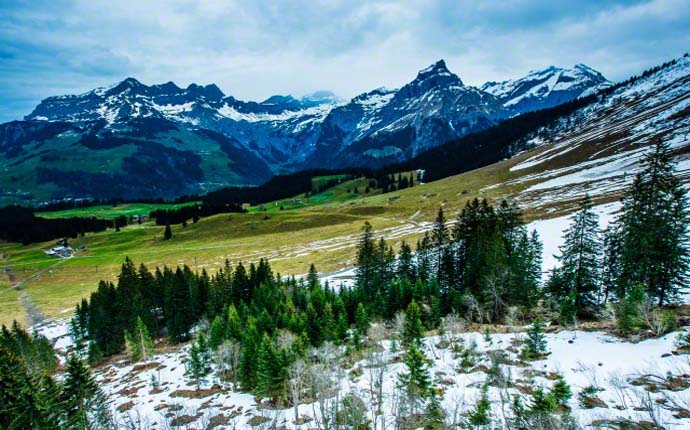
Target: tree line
20,224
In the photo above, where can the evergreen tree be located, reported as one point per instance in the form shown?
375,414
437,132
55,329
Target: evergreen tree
217,333
312,277
519,412
524,263
568,308
328,325
342,328
241,287
178,306
85,404
314,329
413,329
535,344
415,380
271,373
654,245
481,414
542,403
250,348
434,416
234,324
405,263
168,232
138,343
95,354
361,320
439,233
197,362
20,404
628,309
366,261
580,256
561,391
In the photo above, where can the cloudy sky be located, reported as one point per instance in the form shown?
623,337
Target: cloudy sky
253,49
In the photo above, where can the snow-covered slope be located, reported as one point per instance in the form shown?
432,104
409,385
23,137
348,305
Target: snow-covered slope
598,149
546,88
622,381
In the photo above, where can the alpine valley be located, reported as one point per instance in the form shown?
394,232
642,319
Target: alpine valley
515,256
134,141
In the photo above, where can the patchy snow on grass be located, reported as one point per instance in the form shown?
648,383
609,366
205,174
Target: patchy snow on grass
625,376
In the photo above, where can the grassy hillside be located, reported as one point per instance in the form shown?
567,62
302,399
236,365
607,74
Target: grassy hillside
111,211
142,158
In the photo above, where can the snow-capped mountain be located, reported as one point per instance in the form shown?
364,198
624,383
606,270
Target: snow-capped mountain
128,130
392,125
276,129
546,88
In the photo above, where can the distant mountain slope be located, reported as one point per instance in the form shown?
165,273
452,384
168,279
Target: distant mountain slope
136,158
137,141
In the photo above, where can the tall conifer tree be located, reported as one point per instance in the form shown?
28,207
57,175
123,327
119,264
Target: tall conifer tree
654,242
581,256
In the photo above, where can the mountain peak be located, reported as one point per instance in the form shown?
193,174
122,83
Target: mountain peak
279,100
546,87
588,71
210,91
130,82
436,74
168,86
437,67
126,84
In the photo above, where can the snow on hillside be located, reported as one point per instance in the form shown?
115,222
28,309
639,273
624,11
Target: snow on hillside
232,113
160,394
627,378
599,149
551,232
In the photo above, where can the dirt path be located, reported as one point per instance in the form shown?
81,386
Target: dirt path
34,314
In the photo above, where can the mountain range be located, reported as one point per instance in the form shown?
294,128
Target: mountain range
132,140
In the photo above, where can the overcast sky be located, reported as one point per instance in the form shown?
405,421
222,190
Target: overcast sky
254,49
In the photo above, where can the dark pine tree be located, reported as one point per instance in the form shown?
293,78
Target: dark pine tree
581,256
654,243
167,234
85,404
